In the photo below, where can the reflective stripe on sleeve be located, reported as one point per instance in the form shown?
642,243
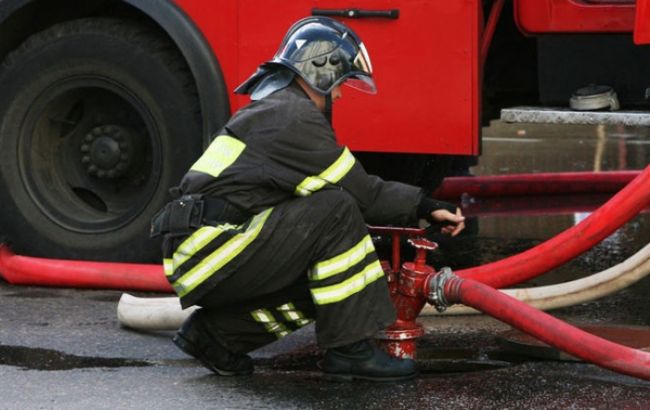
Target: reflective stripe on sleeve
221,153
341,263
333,174
336,293
221,256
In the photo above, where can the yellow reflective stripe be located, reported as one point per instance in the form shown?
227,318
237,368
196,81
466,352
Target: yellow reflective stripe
292,314
265,317
310,185
198,240
342,262
278,328
168,267
262,316
350,286
303,322
289,312
339,168
221,256
333,174
221,153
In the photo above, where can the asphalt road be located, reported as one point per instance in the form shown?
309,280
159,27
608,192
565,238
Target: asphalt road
64,349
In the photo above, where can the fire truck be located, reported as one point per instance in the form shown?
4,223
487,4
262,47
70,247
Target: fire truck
104,104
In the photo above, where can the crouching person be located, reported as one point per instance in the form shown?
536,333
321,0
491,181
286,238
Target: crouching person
268,232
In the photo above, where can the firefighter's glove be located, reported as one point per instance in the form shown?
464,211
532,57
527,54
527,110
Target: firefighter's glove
443,216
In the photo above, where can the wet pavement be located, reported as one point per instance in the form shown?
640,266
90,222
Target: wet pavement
63,348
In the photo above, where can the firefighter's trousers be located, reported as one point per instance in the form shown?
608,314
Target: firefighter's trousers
312,260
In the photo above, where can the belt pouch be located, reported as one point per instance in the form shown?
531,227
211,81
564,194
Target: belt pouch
185,213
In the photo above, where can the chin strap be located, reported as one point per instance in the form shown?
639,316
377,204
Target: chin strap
328,108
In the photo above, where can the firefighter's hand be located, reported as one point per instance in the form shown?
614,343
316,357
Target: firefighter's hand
451,224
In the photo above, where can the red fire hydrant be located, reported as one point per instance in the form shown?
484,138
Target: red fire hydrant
407,292
417,283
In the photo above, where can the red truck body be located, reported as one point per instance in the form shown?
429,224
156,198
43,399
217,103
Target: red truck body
417,71
427,62
570,16
90,142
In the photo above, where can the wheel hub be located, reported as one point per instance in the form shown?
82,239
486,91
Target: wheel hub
107,151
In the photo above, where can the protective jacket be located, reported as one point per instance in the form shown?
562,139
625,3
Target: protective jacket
281,147
277,161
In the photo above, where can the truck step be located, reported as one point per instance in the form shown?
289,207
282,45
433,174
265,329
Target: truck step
544,115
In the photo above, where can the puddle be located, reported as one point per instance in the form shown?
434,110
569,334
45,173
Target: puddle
453,360
30,358
514,148
429,360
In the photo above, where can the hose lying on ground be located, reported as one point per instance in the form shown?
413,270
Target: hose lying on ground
24,270
151,313
548,329
586,289
29,270
165,313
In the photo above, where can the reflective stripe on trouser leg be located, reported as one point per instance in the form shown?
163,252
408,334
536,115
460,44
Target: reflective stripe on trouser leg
247,328
354,284
350,272
293,315
265,317
322,237
347,284
291,319
208,250
346,289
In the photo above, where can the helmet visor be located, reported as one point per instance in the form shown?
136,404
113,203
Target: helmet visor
361,83
361,73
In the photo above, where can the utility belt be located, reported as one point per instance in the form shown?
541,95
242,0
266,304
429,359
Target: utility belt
189,212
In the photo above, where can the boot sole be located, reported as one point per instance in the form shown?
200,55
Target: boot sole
189,348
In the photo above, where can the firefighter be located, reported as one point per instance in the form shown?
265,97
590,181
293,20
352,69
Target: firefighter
268,231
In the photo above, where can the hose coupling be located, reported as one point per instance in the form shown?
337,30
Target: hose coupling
436,291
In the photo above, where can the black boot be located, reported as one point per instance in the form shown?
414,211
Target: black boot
194,339
365,361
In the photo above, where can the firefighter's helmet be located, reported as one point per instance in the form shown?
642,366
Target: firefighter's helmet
323,52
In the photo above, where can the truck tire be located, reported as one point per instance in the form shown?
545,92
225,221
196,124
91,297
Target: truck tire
98,119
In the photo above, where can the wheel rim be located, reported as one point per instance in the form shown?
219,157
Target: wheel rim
89,154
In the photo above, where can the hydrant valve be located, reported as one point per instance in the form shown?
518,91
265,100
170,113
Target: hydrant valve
422,246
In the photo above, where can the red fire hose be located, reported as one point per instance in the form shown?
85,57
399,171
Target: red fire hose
490,28
519,268
548,329
567,245
26,270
